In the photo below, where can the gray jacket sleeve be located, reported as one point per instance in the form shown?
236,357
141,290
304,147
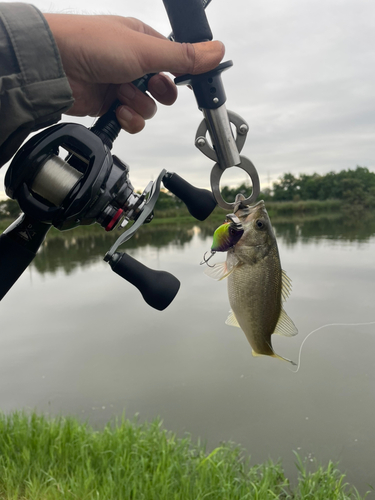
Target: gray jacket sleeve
34,90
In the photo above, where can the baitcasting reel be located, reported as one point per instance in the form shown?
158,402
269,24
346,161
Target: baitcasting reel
89,185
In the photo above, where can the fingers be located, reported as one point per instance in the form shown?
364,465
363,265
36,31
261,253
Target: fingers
112,49
102,51
141,27
135,109
207,56
163,89
195,58
129,120
179,58
138,107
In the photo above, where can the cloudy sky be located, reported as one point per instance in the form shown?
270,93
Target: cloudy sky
303,78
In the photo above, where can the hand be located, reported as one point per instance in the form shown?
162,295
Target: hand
101,55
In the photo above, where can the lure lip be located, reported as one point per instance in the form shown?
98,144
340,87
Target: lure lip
235,220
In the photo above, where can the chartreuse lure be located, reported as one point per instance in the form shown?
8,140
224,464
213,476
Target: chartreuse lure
226,236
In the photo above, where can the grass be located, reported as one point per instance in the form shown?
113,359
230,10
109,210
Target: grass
278,211
303,207
274,208
45,459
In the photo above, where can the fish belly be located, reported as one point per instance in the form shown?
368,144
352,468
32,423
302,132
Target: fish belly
255,298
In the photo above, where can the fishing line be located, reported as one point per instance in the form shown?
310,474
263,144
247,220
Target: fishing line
321,328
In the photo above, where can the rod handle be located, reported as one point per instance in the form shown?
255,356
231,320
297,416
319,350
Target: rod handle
188,20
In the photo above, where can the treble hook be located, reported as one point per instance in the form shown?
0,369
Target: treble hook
205,261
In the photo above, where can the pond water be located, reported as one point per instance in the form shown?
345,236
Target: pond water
78,340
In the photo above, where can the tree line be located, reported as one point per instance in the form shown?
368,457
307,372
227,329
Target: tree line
350,186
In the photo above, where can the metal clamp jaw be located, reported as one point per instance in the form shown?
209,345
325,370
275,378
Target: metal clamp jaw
189,24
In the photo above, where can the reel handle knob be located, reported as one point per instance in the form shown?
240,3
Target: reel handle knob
200,202
158,288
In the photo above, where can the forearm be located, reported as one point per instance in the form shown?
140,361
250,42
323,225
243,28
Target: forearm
34,90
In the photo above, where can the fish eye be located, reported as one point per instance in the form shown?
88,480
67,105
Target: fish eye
232,231
260,224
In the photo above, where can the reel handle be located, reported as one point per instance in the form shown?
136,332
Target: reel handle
199,202
19,244
158,288
188,20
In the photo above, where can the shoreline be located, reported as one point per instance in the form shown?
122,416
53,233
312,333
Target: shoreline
279,212
53,458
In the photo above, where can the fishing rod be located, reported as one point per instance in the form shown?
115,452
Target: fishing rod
66,176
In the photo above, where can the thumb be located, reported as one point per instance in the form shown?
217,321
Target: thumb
180,58
207,56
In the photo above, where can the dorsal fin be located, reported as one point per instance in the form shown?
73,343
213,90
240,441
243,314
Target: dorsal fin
286,286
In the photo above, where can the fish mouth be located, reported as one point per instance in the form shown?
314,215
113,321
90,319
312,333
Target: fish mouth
258,205
241,210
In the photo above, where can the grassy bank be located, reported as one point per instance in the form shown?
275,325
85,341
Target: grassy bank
61,458
302,208
278,212
275,209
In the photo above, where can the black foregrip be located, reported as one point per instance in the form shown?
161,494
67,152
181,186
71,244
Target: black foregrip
18,247
107,126
158,288
200,202
188,20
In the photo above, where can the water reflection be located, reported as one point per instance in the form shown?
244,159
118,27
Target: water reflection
83,246
356,227
69,250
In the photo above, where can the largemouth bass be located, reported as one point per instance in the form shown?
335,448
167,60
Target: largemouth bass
257,286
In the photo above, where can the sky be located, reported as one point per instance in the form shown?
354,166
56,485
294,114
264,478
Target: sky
303,79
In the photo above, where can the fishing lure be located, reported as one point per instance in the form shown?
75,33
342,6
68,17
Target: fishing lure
225,237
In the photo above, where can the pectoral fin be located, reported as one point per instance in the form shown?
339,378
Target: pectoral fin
232,320
219,271
285,326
